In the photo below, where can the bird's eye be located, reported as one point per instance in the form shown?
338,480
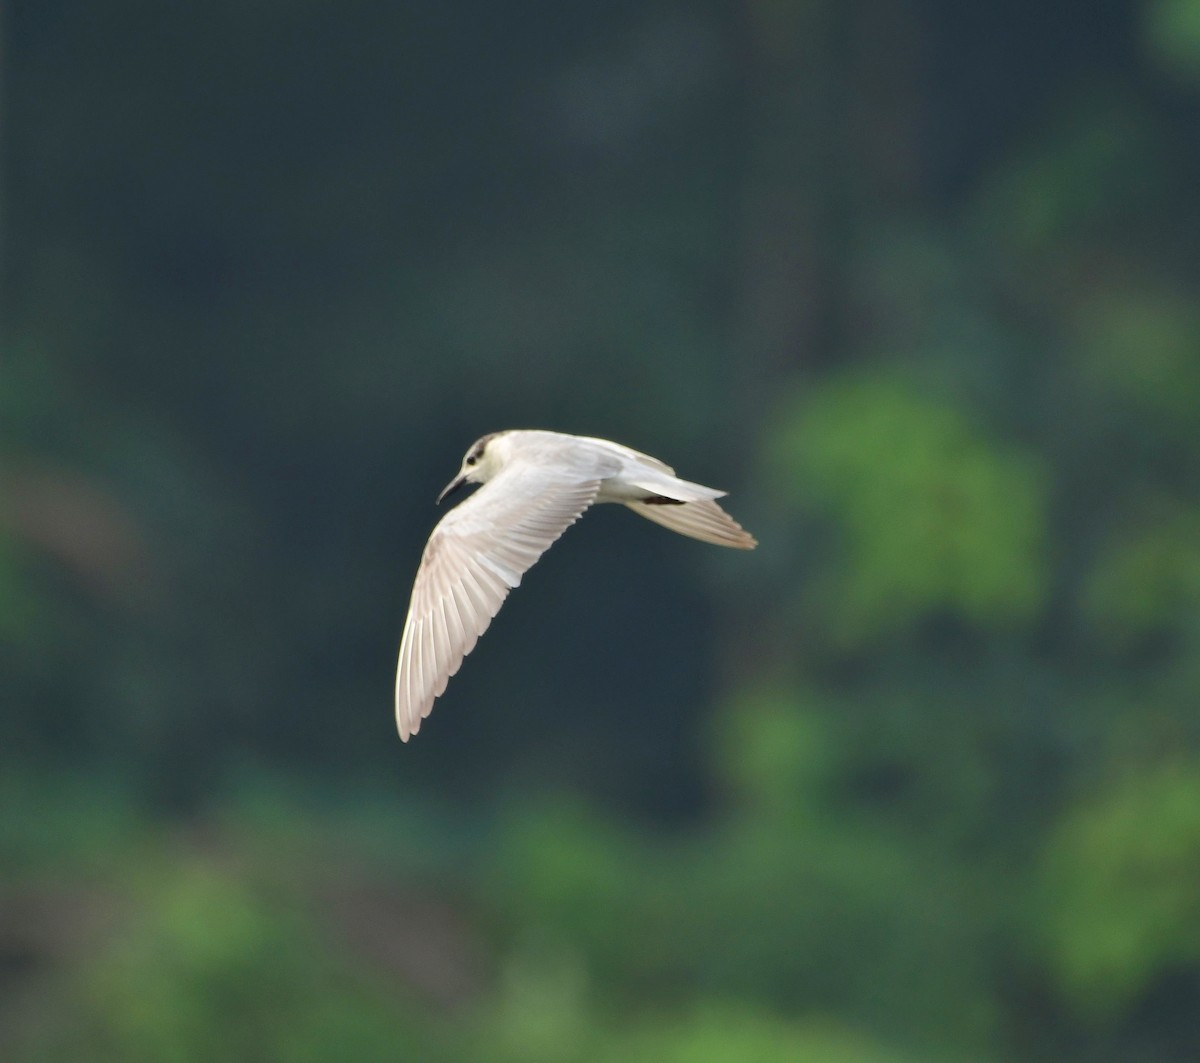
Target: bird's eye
472,459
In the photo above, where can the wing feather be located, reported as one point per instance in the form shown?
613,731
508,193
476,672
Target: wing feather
704,520
477,553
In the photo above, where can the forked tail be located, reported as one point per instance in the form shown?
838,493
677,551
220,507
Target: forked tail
703,520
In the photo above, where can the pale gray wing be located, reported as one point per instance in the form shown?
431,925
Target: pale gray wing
629,453
477,553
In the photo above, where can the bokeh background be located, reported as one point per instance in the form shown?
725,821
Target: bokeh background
917,780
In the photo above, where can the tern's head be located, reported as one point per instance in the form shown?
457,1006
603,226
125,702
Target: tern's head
479,465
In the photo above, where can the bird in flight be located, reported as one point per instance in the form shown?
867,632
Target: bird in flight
535,486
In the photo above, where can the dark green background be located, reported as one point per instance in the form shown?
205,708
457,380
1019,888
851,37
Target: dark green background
917,780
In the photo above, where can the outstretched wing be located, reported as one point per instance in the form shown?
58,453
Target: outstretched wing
477,553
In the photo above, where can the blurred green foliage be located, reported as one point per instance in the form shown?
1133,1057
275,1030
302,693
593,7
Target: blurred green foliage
1146,584
1141,345
716,1033
1119,898
917,780
1173,37
930,516
204,949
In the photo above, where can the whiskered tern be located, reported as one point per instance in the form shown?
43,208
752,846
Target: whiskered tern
535,486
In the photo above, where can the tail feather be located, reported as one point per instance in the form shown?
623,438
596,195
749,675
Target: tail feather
679,490
703,520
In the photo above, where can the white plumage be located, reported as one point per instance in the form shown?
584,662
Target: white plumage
535,485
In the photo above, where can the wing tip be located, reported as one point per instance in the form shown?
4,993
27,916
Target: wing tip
402,728
405,729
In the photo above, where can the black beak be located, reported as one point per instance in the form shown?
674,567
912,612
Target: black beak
450,488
